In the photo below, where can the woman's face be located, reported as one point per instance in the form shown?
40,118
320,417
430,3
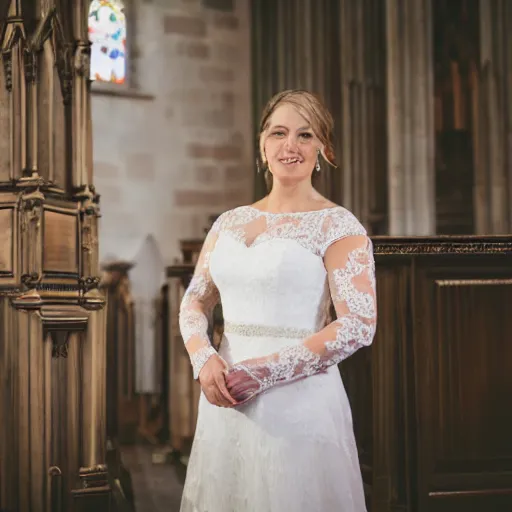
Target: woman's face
290,146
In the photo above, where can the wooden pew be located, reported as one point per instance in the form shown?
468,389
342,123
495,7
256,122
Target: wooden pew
431,397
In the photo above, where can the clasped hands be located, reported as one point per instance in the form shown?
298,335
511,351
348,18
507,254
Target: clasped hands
226,386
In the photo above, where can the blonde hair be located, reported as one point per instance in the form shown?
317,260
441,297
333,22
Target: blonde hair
312,109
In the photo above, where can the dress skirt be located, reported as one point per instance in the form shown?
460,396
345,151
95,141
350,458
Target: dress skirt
291,449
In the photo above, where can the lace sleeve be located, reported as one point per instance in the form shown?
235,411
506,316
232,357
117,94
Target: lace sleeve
197,306
351,274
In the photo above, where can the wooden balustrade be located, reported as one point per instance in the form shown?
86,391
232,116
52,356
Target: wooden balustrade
122,403
53,449
430,397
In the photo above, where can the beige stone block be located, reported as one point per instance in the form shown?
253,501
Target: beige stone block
124,223
207,174
236,196
185,26
235,173
223,118
140,167
226,22
193,49
110,194
226,52
227,98
104,170
198,198
216,74
215,152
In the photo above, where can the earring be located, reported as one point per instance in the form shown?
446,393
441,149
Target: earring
317,166
258,170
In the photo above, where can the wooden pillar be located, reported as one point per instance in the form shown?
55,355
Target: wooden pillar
52,316
335,49
493,177
290,42
362,148
411,177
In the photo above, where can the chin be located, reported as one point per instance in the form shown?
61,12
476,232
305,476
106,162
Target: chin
290,178
296,171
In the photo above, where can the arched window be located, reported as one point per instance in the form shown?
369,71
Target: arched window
107,33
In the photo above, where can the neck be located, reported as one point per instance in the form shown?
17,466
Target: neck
290,197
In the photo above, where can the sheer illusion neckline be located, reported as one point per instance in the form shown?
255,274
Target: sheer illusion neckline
273,214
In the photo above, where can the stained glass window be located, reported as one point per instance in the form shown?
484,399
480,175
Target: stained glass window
107,33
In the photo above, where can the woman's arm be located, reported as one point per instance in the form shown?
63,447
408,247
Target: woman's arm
197,307
351,274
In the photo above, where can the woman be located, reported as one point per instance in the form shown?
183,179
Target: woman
274,431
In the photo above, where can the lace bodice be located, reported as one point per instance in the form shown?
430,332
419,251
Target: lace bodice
276,271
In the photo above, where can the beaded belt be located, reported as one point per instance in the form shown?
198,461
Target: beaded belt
266,330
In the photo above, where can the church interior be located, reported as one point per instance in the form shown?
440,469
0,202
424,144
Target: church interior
128,126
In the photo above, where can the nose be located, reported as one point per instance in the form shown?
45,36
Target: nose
291,143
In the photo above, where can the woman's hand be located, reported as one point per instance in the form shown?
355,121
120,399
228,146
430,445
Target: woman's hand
245,380
249,378
212,378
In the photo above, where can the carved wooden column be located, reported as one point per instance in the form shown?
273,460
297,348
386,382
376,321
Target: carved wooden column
182,390
362,154
411,178
430,398
335,49
290,42
122,406
493,177
52,316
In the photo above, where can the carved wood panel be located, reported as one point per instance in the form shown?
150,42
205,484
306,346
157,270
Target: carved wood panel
63,353
5,130
440,377
59,166
462,346
7,248
52,385
60,253
334,48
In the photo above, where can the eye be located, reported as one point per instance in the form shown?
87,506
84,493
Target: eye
278,133
306,135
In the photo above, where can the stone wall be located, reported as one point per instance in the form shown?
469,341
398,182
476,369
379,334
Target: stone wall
176,148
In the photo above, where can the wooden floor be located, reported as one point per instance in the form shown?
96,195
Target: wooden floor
157,487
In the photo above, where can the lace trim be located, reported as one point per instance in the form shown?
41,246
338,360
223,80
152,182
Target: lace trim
199,358
314,230
266,331
353,288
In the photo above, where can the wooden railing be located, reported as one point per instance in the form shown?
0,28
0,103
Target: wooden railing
122,404
430,399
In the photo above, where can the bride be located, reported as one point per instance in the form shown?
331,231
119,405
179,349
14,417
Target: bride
274,431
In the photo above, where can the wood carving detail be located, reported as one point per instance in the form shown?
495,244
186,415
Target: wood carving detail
6,247
83,59
60,344
7,62
49,309
13,33
30,63
63,51
31,213
60,242
65,70
88,283
443,248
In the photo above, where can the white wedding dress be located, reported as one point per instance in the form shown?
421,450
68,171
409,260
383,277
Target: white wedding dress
290,447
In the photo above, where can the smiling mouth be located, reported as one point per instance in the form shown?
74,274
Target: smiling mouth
290,161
